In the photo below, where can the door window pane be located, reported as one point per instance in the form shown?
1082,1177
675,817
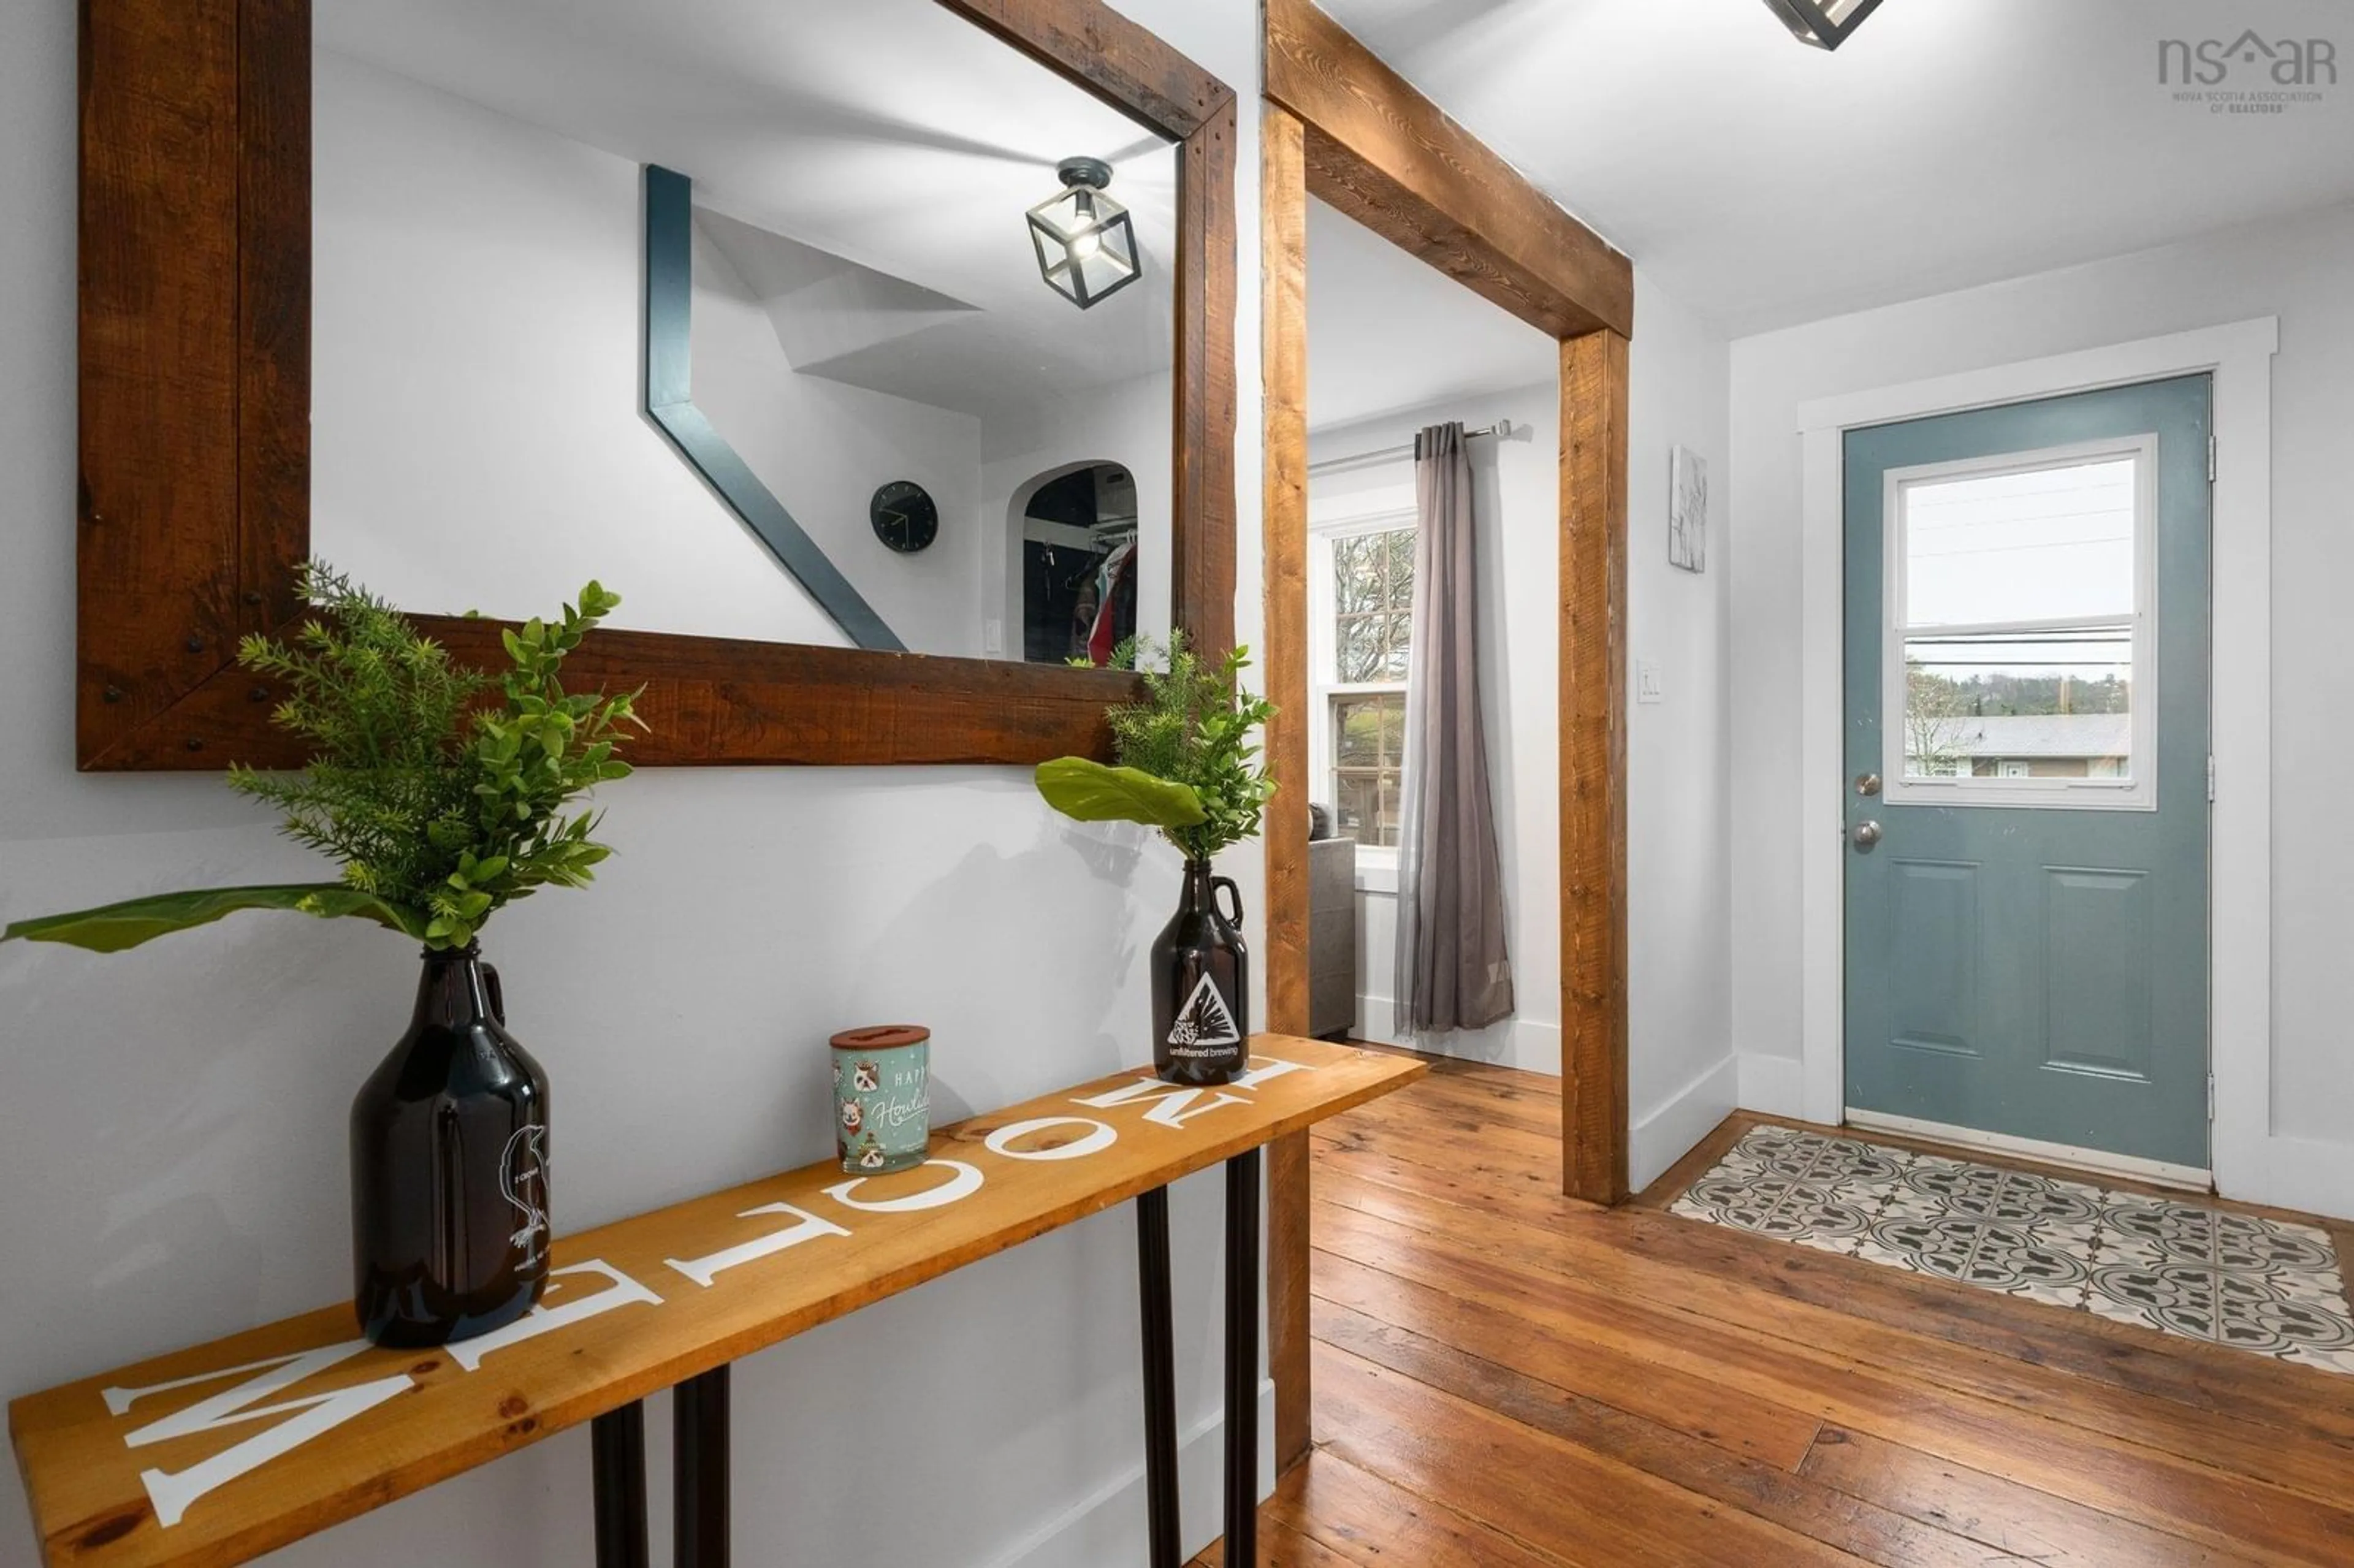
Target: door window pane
2038,546
2017,651
2042,705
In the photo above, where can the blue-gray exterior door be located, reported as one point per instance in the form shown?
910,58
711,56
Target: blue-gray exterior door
2027,700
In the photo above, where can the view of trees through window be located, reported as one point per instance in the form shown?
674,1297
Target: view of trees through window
1373,639
1944,735
1373,605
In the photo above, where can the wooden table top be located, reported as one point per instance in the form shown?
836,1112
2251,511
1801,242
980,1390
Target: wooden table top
217,1454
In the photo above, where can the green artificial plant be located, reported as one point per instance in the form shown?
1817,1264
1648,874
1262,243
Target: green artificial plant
442,808
1186,760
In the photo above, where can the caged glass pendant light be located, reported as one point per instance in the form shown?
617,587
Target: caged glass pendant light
1086,245
1825,24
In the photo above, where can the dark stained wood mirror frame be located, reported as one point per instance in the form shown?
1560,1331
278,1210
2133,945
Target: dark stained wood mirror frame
195,414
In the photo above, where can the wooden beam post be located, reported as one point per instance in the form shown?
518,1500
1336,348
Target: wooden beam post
1594,767
1341,125
1283,288
1283,217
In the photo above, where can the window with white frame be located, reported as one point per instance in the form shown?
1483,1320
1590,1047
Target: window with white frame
2021,623
1360,637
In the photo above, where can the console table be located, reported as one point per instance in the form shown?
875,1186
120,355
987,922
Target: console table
217,1454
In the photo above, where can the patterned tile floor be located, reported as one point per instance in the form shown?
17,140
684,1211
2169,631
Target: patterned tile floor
2258,1284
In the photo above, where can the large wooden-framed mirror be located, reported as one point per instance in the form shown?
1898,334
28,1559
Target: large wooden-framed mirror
760,334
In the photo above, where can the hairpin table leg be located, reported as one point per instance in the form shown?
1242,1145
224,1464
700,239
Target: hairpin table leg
616,1446
1159,1379
1242,1360
699,1467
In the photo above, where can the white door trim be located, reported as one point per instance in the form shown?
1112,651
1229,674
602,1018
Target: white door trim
2250,1162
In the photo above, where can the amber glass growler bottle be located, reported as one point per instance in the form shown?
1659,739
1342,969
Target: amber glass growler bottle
1200,984
449,1217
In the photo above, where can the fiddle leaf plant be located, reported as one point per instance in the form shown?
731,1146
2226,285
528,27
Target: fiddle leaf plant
442,808
1186,762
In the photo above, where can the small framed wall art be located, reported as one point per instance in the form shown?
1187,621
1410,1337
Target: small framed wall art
1688,510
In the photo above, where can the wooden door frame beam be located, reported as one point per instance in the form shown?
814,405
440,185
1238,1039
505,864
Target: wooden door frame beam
1381,152
1341,125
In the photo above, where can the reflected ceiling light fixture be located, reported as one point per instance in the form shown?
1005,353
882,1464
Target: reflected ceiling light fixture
1086,245
1826,23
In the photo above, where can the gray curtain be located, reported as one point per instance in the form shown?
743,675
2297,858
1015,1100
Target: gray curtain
1453,971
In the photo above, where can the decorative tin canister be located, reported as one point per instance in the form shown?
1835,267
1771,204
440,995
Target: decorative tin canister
881,1097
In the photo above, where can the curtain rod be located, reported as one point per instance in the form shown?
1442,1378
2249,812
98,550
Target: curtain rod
1385,454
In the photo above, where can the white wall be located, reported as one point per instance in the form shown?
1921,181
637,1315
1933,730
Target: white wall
1681,781
2297,269
172,1120
1680,1064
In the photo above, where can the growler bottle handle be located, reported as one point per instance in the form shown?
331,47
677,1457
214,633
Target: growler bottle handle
1226,885
498,994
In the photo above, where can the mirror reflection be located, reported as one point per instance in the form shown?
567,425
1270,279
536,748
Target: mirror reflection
1078,564
860,334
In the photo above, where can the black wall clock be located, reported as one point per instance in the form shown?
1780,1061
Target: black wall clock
904,516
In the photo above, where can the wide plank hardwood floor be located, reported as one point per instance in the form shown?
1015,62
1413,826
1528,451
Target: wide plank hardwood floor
1506,1377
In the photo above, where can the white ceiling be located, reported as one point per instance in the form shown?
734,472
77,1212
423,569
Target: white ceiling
889,133
1387,332
1948,144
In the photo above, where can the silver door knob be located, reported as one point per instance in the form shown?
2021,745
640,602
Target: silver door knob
1867,783
1866,834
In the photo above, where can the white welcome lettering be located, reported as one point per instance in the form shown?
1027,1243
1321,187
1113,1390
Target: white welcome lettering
966,1182
1276,1068
1001,1141
545,1320
311,1415
703,1270
1170,1101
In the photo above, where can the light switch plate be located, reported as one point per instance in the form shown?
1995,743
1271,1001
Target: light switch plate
992,638
1648,688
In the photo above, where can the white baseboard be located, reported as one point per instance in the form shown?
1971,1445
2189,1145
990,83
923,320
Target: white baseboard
2305,1174
1516,1043
1667,1133
1377,1021
1775,1086
1110,1526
